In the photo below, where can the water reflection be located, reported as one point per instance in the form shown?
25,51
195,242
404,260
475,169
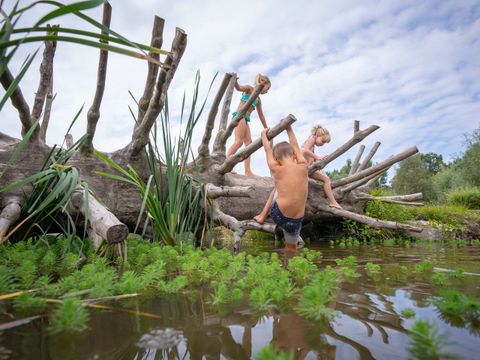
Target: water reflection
368,324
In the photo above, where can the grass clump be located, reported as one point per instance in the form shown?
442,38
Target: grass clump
69,317
427,343
423,267
469,197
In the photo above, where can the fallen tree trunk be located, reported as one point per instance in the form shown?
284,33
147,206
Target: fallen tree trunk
235,198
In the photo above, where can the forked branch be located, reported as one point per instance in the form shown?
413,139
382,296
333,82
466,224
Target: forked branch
376,168
141,133
203,150
358,136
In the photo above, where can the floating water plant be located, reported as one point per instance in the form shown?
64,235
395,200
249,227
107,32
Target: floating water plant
427,343
69,316
313,302
349,261
271,353
455,304
372,269
425,266
408,313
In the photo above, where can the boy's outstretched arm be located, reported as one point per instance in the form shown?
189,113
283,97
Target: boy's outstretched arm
272,163
296,149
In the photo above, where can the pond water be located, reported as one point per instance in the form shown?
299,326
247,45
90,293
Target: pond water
368,325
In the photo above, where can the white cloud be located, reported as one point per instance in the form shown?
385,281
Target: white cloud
410,67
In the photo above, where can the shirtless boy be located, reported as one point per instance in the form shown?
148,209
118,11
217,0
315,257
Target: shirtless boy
289,170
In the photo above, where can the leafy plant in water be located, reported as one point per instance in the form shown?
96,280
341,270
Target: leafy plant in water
27,304
372,269
301,269
69,317
313,302
425,266
427,343
408,313
270,353
349,261
440,279
455,304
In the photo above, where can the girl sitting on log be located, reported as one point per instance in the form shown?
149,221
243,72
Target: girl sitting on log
242,131
319,137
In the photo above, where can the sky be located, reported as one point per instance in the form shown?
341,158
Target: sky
411,67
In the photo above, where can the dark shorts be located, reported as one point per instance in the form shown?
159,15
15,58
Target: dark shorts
289,225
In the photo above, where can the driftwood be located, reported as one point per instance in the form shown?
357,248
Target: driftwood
235,198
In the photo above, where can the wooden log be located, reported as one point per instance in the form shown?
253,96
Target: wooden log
356,162
8,216
369,157
100,219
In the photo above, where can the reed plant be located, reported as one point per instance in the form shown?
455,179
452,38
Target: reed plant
173,197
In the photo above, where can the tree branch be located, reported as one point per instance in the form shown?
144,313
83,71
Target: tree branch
357,137
219,145
376,168
374,223
369,157
94,112
157,41
45,85
214,191
356,162
356,184
19,103
203,149
241,155
141,133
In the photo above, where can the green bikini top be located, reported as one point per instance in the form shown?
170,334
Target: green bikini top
245,97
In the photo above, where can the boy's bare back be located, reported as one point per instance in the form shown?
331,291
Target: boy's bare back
291,177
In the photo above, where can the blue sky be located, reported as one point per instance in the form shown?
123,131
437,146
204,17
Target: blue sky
411,67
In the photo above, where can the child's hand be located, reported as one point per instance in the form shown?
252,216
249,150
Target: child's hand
265,132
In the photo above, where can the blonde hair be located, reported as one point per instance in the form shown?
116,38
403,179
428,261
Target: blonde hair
322,133
282,150
259,78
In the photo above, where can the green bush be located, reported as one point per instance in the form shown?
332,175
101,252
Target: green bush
384,211
466,196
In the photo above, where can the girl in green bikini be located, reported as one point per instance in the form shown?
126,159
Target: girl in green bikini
242,131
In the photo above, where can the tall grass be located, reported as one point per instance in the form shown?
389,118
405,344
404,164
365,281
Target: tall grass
466,196
173,196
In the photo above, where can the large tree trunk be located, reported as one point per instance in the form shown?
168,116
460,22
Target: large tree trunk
236,198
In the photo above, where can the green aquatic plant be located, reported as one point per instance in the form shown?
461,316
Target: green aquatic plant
69,317
28,304
348,273
440,279
271,353
453,303
349,261
301,269
372,269
408,313
425,266
315,296
427,343
311,255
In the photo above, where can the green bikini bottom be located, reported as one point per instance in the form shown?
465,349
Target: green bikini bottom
246,117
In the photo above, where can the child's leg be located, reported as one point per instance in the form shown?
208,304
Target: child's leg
327,188
248,141
239,137
260,218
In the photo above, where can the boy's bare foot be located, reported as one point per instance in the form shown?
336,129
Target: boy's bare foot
335,205
260,218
